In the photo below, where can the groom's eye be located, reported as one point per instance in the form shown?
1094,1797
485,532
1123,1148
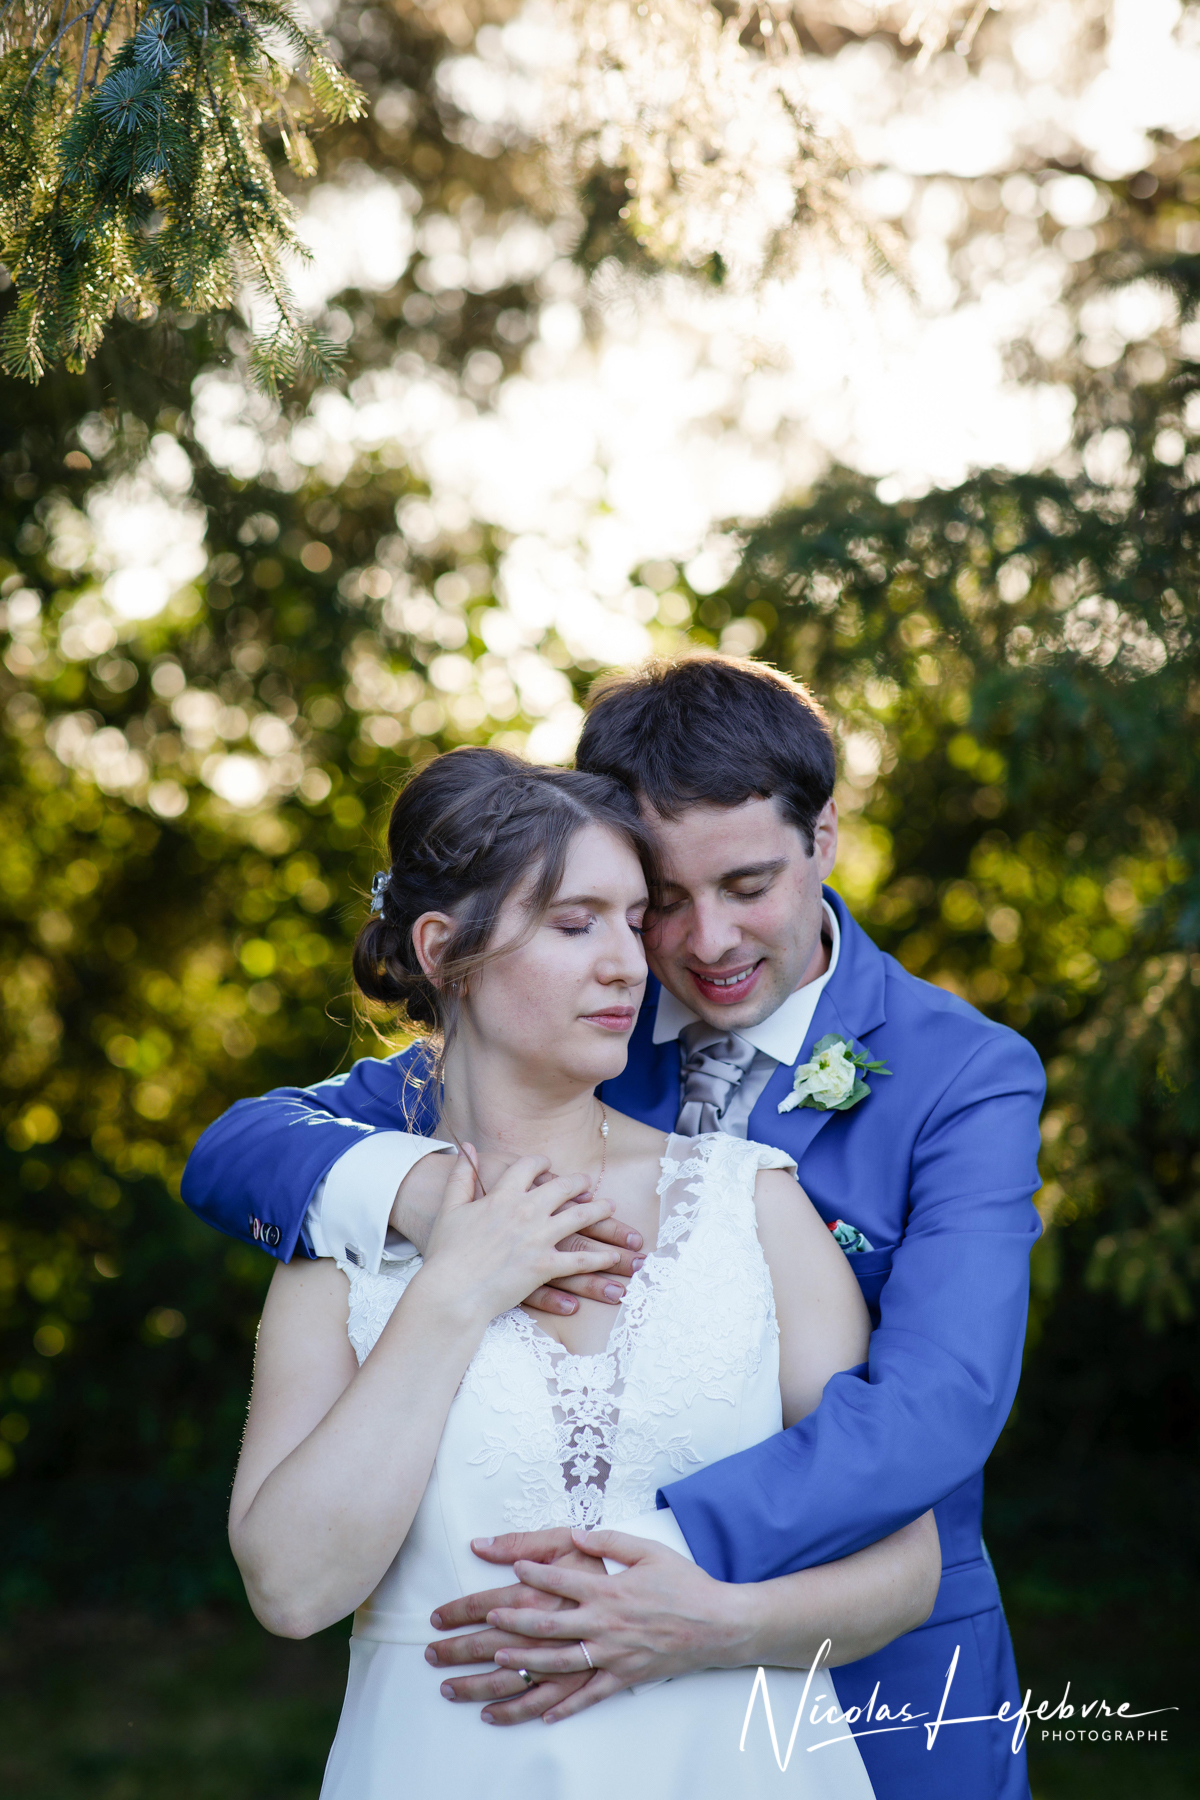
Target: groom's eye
750,893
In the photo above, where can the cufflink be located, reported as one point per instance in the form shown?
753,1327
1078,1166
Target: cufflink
354,1255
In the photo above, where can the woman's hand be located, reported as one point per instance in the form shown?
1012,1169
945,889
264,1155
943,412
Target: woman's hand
493,1249
510,1699
419,1199
662,1616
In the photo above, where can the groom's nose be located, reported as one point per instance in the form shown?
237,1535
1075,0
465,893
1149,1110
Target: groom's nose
712,932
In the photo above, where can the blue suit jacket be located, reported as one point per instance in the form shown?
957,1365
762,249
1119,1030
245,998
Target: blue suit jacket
937,1166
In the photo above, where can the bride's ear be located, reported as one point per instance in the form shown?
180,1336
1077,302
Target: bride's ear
430,935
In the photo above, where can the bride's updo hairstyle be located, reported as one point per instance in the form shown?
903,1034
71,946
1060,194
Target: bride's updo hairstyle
465,831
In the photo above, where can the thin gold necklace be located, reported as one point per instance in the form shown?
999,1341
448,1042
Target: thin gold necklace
604,1149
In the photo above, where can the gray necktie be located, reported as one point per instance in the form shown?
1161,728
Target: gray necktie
714,1062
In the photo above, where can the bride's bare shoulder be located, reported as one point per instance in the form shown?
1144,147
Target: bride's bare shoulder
630,1138
304,1292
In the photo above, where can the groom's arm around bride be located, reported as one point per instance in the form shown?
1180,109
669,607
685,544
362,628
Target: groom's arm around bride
933,1162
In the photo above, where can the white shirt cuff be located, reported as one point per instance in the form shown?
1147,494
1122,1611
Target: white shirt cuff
661,1526
347,1218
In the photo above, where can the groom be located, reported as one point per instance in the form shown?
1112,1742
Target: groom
929,1167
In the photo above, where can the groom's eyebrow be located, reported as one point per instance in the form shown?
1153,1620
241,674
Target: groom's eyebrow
750,870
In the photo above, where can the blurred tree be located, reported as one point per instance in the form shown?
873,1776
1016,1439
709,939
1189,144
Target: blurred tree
191,769
154,135
186,798
1016,672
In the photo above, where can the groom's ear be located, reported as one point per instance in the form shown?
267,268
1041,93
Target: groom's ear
825,838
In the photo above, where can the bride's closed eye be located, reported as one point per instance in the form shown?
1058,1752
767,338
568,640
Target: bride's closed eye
574,924
580,927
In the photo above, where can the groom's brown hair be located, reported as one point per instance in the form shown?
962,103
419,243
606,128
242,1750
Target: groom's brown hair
711,728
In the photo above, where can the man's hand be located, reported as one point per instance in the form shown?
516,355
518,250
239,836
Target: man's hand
520,1701
662,1616
419,1198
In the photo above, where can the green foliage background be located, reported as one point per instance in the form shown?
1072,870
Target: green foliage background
1015,672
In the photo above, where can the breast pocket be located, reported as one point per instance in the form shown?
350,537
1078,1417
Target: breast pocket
871,1269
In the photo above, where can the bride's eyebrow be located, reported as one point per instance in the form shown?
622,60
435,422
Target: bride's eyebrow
591,900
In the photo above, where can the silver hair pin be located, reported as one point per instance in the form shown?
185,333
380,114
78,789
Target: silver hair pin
379,889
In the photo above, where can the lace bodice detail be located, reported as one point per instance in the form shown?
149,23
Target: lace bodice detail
566,1439
538,1437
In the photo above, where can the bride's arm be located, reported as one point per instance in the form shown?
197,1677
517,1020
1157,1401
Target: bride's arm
824,1325
335,1458
863,1601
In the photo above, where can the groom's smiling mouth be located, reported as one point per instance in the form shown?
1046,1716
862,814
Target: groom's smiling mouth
727,987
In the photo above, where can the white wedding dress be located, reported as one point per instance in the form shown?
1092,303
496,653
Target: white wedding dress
538,1437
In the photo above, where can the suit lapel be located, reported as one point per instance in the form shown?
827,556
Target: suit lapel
851,1005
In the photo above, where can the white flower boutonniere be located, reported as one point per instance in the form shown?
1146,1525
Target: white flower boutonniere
832,1079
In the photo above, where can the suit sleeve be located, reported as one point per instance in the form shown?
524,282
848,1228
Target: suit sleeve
254,1171
892,1439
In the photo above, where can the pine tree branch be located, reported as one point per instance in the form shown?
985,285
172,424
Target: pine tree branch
132,170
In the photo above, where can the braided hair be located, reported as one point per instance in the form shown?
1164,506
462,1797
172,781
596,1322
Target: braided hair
464,833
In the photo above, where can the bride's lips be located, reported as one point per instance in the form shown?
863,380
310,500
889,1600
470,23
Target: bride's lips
727,986
614,1018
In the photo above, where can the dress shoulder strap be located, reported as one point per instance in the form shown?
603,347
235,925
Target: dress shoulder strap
719,1151
373,1300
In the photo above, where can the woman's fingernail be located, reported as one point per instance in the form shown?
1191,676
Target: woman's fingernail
613,1292
476,1544
431,1656
637,1263
501,1657
633,1241
435,1619
487,1718
447,1691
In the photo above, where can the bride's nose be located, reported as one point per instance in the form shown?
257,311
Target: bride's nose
623,962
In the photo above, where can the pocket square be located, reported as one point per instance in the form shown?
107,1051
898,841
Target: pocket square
850,1237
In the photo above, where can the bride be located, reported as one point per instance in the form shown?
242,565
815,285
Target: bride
396,1416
